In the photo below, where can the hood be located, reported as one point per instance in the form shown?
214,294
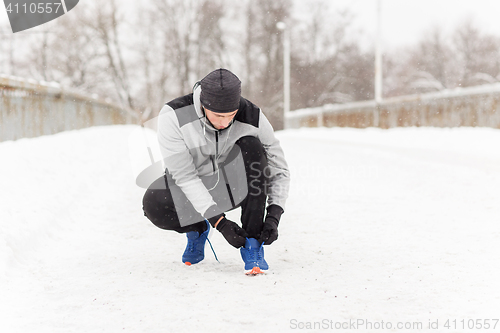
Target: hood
197,107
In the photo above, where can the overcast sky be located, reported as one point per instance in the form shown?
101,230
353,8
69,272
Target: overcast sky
404,21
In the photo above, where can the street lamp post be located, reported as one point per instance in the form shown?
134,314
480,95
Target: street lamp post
378,56
286,69
378,67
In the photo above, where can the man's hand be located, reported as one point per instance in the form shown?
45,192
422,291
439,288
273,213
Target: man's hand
232,232
270,231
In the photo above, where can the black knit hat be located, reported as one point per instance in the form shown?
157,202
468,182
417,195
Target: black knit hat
220,91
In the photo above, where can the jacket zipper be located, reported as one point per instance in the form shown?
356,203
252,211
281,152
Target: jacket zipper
216,144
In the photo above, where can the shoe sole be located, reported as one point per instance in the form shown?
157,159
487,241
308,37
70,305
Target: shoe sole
254,271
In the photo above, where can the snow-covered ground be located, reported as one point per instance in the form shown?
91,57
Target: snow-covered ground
385,228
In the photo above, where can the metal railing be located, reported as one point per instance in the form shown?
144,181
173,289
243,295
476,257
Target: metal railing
29,109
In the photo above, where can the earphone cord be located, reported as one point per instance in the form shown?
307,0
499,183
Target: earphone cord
220,154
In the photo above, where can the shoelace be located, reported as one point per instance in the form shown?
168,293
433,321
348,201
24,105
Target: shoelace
191,248
190,245
251,254
259,254
254,254
213,251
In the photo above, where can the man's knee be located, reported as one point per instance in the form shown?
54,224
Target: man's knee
252,151
155,196
156,208
249,143
150,203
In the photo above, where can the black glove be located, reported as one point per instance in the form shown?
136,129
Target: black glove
270,230
232,232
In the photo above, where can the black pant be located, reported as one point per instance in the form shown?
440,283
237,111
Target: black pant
167,207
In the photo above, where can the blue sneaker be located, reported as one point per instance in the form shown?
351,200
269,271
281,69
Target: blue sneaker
195,249
253,256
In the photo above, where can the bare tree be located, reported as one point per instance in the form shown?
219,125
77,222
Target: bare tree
425,67
76,59
438,62
6,50
477,54
433,56
191,38
329,66
40,55
264,55
107,22
151,74
249,50
210,44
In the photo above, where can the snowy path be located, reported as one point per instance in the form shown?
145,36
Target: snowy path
394,226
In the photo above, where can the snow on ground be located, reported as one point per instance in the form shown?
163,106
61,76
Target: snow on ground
397,226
